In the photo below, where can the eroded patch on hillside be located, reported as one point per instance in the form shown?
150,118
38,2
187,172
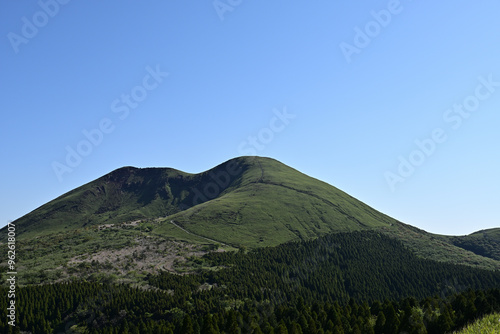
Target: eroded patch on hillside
146,256
126,252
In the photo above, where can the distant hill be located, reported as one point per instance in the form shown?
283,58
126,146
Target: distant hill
485,243
247,202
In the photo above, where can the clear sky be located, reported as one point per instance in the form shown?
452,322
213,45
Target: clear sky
395,102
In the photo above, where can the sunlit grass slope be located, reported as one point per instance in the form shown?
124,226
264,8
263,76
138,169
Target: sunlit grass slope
488,325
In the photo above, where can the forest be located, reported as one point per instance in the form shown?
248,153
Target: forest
359,282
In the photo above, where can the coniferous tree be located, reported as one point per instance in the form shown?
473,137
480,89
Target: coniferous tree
208,326
187,325
380,324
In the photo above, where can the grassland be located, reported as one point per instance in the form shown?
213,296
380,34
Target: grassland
488,325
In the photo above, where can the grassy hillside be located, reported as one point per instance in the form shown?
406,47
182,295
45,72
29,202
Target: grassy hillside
488,325
274,204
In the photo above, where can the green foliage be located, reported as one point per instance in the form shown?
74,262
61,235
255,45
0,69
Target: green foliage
360,265
487,325
485,243
333,284
101,308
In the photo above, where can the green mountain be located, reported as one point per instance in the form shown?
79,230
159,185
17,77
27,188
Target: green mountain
244,198
261,248
247,202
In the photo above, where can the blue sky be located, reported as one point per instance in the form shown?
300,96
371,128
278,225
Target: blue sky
395,102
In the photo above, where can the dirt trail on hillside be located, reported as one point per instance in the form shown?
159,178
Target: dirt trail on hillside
197,235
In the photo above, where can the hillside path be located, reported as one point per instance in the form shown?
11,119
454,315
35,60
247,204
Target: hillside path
197,235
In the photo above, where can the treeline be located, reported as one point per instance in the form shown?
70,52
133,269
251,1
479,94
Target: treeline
338,268
364,266
360,282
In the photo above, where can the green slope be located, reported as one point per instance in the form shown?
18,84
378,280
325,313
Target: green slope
274,204
487,325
